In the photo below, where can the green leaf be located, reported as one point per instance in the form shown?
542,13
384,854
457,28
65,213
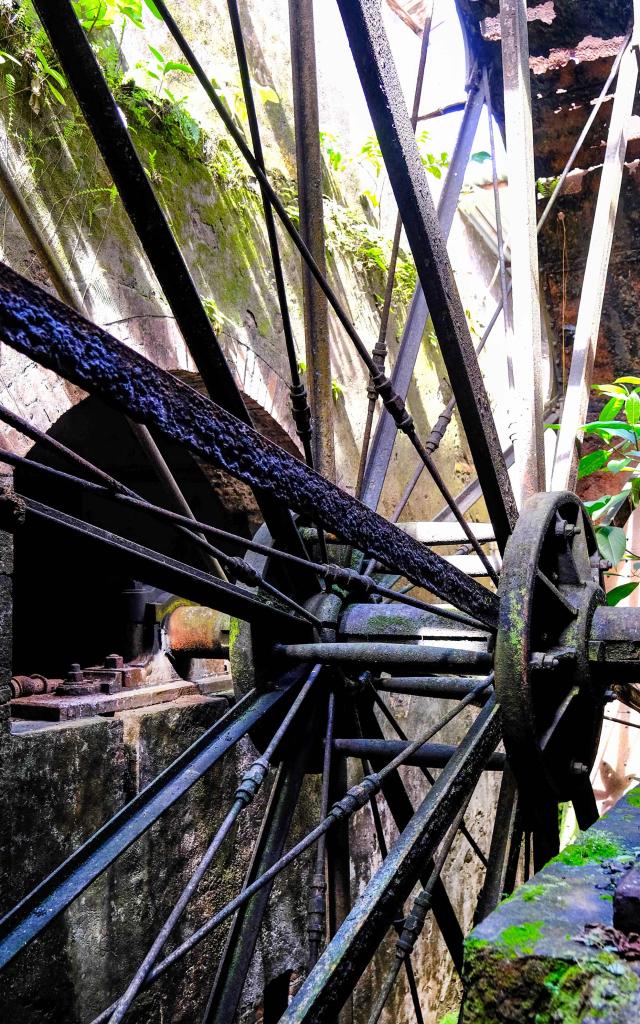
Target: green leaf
592,462
154,10
8,56
611,409
618,465
60,79
610,389
177,65
628,380
612,543
632,409
58,95
618,594
156,53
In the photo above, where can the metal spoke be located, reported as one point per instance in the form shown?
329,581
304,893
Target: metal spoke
317,899
299,404
144,563
54,894
375,65
250,784
415,920
379,353
92,359
113,140
232,968
345,958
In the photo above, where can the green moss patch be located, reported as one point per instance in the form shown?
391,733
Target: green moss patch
520,938
589,849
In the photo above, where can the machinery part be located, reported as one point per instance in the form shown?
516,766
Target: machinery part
551,707
197,632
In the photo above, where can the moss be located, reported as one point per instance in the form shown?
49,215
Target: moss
234,630
450,1018
607,896
532,892
590,848
633,797
520,938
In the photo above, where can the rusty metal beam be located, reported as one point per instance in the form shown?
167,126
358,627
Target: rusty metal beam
310,202
378,75
49,332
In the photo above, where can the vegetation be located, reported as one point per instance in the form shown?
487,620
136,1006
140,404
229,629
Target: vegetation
617,430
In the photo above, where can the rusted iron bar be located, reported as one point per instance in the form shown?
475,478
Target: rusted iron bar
346,579
596,270
46,330
317,905
380,348
250,784
344,960
415,920
446,687
310,204
503,829
391,656
56,892
477,745
527,354
430,755
234,963
378,76
144,563
386,430
299,404
141,204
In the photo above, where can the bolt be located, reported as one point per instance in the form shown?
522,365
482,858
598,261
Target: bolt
539,659
75,674
578,768
565,530
114,661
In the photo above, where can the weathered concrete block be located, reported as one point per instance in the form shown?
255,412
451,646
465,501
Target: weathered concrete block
549,954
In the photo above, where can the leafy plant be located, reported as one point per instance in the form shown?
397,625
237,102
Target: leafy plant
618,430
49,77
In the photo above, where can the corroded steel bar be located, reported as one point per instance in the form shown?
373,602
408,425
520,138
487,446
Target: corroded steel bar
52,334
431,755
134,188
310,200
429,659
344,960
375,65
42,905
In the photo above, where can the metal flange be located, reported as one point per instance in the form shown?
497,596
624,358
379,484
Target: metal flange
551,708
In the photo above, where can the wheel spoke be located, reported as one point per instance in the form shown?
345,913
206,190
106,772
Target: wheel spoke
89,357
344,960
43,904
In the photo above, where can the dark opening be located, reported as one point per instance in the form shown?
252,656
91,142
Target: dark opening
68,597
276,997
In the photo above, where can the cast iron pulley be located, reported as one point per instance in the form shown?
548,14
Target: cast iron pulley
552,709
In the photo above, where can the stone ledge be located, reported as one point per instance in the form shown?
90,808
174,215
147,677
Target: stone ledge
547,955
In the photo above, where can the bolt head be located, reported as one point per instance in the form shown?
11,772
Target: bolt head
578,768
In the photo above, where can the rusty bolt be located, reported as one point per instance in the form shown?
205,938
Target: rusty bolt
565,530
114,661
539,659
626,902
578,768
75,673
